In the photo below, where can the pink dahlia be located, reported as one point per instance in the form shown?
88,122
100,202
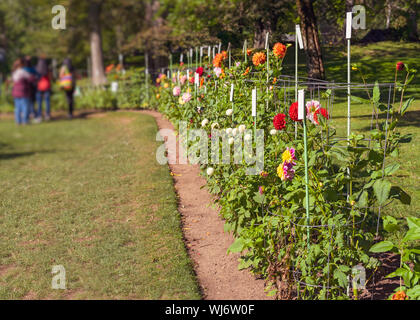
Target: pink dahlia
176,91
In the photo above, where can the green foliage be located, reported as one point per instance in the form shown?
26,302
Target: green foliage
407,246
348,182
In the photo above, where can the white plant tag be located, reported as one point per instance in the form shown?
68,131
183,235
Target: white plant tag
208,51
218,49
266,41
196,79
181,58
231,92
191,52
188,75
254,102
114,86
201,52
299,36
177,76
214,52
348,25
301,104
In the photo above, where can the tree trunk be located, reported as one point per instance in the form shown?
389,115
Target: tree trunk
412,23
98,73
309,29
388,13
349,5
260,34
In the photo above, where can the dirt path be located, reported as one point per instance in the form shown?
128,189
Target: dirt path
206,241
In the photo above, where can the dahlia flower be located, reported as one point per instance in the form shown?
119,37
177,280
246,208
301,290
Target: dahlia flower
293,111
186,97
258,58
176,91
279,121
279,50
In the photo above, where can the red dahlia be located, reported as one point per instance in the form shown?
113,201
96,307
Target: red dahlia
279,121
400,66
200,71
293,111
323,112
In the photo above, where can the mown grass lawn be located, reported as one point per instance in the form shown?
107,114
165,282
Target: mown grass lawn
89,194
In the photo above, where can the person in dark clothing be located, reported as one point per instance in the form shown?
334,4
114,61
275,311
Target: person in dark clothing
43,89
68,83
32,84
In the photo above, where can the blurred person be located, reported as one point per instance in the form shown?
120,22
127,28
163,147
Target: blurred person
67,82
21,91
32,84
43,89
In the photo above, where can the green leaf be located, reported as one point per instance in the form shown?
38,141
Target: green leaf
413,223
363,200
237,246
359,100
382,246
406,105
376,93
341,277
390,169
390,224
381,188
414,293
412,235
259,198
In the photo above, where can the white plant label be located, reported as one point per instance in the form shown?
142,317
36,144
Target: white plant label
348,25
191,52
254,102
266,41
218,49
208,51
188,75
177,76
299,36
231,92
196,79
301,104
114,86
181,58
201,52
214,51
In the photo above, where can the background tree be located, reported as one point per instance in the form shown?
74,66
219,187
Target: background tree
314,62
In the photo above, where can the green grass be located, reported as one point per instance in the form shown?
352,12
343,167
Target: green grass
89,194
377,62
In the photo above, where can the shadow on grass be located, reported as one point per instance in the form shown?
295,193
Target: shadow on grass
13,155
410,119
81,115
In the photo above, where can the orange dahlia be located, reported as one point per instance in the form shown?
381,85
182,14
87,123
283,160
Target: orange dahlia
258,58
279,50
218,59
246,72
248,52
400,295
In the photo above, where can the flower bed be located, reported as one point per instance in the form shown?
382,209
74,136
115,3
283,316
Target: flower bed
323,255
